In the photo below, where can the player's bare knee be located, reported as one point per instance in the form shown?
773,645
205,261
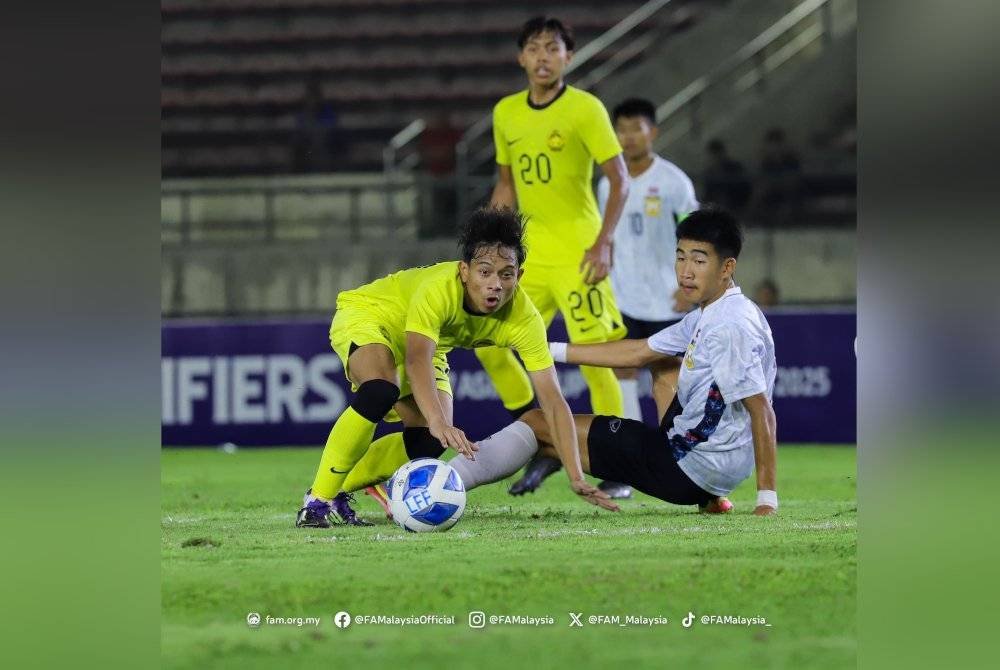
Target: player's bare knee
535,419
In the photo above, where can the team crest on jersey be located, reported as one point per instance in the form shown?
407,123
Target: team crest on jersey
614,425
653,203
689,357
556,141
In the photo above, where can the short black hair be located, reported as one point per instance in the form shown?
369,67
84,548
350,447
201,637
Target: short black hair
493,226
634,107
545,24
716,226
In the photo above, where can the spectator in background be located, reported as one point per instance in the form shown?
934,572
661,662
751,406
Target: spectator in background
315,140
766,294
780,178
725,180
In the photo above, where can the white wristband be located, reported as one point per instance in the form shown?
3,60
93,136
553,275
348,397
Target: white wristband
769,498
558,351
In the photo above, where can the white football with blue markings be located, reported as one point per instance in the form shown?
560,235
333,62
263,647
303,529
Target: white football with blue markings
426,495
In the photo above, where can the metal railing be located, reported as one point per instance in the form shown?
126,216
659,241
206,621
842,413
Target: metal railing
392,151
398,142
267,226
469,156
756,60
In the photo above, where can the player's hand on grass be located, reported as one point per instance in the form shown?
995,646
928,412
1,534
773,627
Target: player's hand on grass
593,495
764,510
596,263
454,438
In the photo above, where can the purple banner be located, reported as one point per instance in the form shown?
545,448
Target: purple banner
279,383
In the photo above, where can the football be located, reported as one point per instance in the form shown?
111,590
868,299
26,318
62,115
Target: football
426,495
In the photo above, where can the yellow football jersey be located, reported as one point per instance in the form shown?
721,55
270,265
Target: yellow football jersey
430,300
551,150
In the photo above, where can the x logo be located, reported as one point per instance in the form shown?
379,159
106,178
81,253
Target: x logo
575,619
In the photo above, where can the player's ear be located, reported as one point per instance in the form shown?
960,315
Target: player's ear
520,272
654,132
520,58
729,267
463,271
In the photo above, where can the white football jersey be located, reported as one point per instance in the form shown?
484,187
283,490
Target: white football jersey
728,355
642,274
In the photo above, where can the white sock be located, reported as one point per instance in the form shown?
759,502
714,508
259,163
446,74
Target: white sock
500,455
630,398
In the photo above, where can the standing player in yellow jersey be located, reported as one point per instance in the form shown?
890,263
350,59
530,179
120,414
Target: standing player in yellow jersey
547,139
393,336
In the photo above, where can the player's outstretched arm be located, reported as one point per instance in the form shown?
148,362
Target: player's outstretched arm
504,194
420,370
763,424
563,431
620,354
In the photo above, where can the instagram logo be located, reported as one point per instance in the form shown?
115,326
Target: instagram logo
477,619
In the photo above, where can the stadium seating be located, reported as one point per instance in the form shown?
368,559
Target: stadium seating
236,73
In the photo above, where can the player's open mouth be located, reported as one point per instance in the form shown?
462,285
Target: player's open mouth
543,72
492,301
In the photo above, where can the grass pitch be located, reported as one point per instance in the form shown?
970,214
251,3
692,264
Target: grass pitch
229,548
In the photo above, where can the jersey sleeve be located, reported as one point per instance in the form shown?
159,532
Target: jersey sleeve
429,309
737,362
531,343
673,340
687,202
503,156
597,133
603,190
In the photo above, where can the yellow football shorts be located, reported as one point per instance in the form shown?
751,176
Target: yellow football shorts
357,325
590,312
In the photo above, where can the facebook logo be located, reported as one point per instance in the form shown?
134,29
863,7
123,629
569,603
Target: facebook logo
342,619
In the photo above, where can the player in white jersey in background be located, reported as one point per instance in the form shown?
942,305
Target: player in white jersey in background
719,427
642,272
642,275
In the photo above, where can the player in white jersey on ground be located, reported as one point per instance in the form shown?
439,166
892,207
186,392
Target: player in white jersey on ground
719,427
642,273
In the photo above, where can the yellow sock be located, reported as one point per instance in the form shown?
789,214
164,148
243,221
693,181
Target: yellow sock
605,392
509,378
383,458
347,443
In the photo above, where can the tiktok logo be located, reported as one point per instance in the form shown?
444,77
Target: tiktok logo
688,620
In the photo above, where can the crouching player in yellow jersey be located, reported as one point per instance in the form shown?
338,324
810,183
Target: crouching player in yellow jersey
393,336
547,139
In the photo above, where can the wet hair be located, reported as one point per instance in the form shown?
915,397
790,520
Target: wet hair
490,227
716,226
545,24
633,108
